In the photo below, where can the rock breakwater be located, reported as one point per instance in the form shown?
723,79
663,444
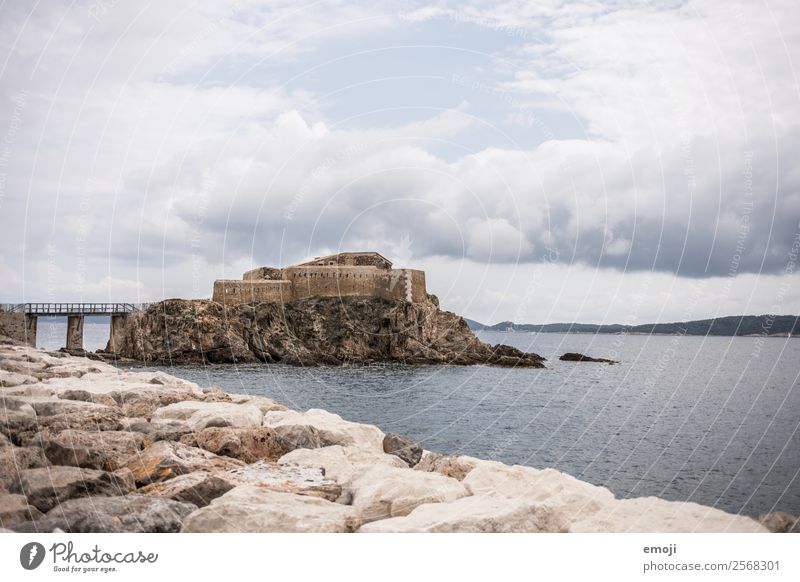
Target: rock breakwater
87,447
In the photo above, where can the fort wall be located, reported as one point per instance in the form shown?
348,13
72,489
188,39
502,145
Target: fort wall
234,292
342,275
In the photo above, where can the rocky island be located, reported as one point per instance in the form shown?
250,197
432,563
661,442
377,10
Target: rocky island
339,309
88,447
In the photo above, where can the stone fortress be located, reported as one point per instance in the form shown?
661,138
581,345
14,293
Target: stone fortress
364,274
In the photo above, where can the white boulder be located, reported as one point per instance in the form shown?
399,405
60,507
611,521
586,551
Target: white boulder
251,509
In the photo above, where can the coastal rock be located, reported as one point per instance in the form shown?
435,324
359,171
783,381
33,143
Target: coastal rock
11,379
560,491
249,444
199,415
653,515
384,492
288,478
164,460
106,450
14,459
331,428
313,331
780,522
341,464
9,405
575,357
60,407
455,466
86,396
476,514
47,487
15,509
160,431
4,442
405,448
126,514
264,404
251,509
198,488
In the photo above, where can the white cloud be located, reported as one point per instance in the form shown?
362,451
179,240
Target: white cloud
160,147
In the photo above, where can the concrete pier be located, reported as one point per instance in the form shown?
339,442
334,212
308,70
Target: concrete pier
117,326
31,322
75,332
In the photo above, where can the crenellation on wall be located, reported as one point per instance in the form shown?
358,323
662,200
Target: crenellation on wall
343,275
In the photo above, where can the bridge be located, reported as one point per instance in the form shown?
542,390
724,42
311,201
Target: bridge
75,314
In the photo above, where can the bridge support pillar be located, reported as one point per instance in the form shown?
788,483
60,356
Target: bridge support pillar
31,322
117,327
75,333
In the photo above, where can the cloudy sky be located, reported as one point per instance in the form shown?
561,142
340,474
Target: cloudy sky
542,161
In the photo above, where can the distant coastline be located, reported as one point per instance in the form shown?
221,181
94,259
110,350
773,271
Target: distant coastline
733,325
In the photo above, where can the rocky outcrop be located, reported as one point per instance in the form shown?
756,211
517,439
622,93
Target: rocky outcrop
164,460
73,459
128,514
575,357
321,330
251,509
47,487
404,447
780,522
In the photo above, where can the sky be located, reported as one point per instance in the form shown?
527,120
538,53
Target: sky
546,161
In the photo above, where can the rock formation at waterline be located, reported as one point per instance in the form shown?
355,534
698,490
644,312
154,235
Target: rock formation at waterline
314,331
87,447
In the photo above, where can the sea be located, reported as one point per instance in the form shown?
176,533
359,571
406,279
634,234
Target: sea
713,420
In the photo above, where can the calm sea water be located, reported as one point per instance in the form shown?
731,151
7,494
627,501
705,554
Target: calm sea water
712,420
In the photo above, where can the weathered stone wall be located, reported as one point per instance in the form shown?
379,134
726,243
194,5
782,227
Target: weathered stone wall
342,281
263,274
234,292
351,260
13,326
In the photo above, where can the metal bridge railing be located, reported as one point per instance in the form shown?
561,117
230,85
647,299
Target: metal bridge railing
74,308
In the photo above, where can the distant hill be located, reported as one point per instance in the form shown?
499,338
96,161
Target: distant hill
738,325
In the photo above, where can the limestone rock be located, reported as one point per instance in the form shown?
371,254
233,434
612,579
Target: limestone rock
332,429
288,478
384,492
86,396
653,515
126,514
10,379
403,447
249,444
476,514
455,466
107,450
13,460
199,415
559,490
264,404
299,436
59,407
4,442
780,522
15,509
342,464
198,488
250,509
164,460
160,431
46,487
